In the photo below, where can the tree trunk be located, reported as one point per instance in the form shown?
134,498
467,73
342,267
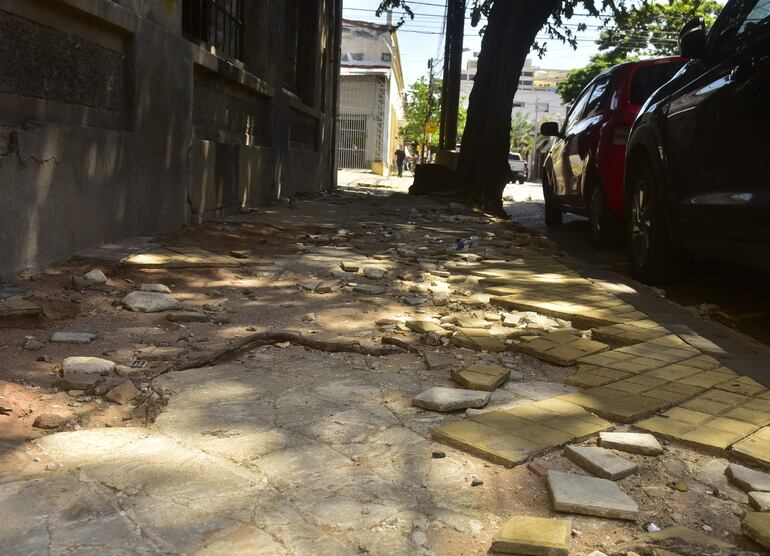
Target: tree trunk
483,170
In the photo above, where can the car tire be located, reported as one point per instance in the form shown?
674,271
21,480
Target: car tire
554,216
605,227
521,181
652,258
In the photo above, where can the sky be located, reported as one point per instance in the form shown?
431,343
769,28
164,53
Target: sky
422,38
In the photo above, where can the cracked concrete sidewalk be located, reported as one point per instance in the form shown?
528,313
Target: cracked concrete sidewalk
285,450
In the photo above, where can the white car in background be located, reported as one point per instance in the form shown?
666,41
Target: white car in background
519,167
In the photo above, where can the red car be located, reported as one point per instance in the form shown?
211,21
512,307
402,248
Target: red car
583,172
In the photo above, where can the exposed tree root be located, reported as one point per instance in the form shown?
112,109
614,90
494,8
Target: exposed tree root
272,338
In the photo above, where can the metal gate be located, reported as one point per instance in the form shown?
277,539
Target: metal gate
360,129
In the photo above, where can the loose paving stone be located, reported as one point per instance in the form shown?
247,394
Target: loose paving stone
629,333
561,348
13,291
590,496
478,339
150,302
755,448
374,273
631,442
450,399
96,277
87,365
414,300
464,322
481,376
73,337
760,501
122,393
349,266
696,540
329,286
187,316
540,466
438,361
19,307
748,479
50,421
369,289
33,345
601,462
425,326
514,435
309,286
534,536
157,288
757,526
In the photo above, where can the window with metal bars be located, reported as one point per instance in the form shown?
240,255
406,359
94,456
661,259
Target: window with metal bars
293,15
300,55
217,23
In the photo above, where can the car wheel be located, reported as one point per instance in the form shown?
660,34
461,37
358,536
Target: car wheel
522,181
605,229
649,246
554,216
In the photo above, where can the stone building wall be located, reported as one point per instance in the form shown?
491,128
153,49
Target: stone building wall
114,122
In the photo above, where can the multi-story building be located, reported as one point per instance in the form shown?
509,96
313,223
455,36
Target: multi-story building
371,96
132,117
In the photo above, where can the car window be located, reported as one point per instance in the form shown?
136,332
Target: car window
577,109
738,20
514,156
648,79
599,96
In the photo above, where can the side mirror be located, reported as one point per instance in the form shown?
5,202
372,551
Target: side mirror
550,129
692,39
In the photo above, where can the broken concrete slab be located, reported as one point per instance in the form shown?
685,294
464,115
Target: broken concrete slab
760,501
534,535
601,462
349,266
374,273
590,496
150,302
73,337
465,322
478,339
414,300
481,376
369,289
450,399
329,286
438,361
87,365
748,479
49,421
309,286
697,542
425,326
561,348
757,526
631,442
161,353
122,393
19,307
157,288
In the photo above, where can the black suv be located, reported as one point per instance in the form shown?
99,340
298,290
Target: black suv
698,158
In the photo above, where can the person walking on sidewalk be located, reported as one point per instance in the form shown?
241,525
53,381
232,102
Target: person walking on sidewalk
400,157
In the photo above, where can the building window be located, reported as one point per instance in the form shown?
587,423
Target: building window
387,57
358,56
301,19
217,23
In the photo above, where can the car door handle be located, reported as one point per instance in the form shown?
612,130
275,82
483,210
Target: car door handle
741,73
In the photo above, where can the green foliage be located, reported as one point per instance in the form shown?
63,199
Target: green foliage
521,133
416,111
646,30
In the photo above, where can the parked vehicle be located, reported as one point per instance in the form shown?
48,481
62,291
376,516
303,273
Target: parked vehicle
519,167
583,171
697,171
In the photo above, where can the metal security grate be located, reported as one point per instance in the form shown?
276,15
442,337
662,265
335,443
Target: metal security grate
218,23
360,124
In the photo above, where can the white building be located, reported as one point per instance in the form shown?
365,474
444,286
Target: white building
371,96
535,98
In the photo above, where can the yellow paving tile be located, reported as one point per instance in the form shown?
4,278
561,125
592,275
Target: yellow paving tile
755,448
481,376
561,348
487,442
629,333
742,385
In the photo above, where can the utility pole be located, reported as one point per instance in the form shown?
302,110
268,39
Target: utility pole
430,110
453,59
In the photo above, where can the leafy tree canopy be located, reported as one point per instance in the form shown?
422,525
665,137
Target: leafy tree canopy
648,29
416,109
